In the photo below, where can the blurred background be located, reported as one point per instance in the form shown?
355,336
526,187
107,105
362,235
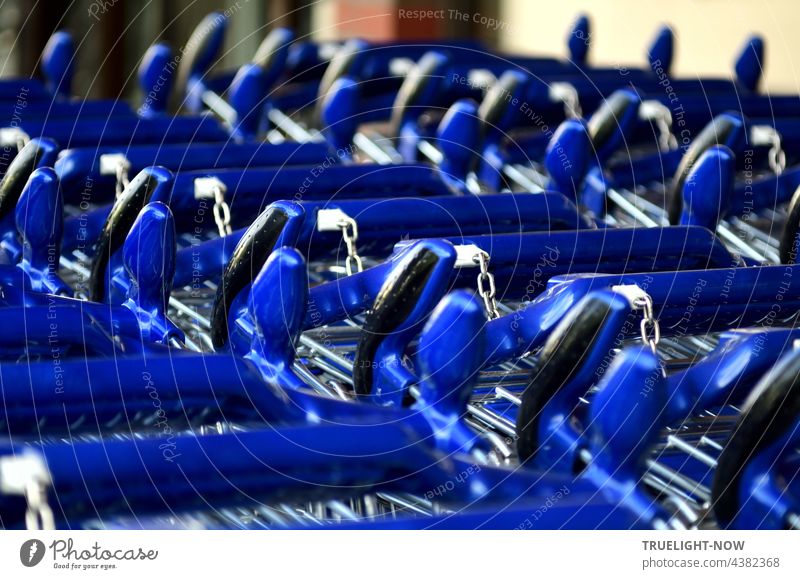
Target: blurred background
112,35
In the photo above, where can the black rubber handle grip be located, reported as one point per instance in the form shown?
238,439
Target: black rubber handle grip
339,66
116,228
249,256
272,48
605,121
559,360
200,50
393,304
717,132
17,175
496,101
788,247
772,408
425,72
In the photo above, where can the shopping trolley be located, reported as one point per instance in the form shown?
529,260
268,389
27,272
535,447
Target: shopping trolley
327,303
134,188
747,285
301,407
510,159
470,312
582,416
272,350
690,422
34,293
87,394
753,214
380,345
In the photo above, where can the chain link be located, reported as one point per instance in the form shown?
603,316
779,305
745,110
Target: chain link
572,106
762,135
38,515
777,156
487,293
22,140
568,95
222,212
121,171
666,139
660,115
13,136
350,235
649,327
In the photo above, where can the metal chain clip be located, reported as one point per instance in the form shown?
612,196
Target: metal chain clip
567,94
118,165
27,475
648,327
336,219
767,135
660,114
213,188
485,278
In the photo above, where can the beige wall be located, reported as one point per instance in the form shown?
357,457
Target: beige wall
708,32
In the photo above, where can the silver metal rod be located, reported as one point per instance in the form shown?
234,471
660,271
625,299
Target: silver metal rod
330,369
296,515
374,151
498,422
320,348
313,381
727,235
190,313
406,502
520,178
713,444
673,477
692,451
506,395
342,510
220,107
340,392
75,267
293,129
631,209
433,154
275,137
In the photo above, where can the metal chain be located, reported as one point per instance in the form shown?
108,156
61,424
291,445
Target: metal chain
121,171
350,235
13,136
38,515
777,156
762,135
649,328
487,293
572,106
661,116
666,139
222,212
568,95
22,140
